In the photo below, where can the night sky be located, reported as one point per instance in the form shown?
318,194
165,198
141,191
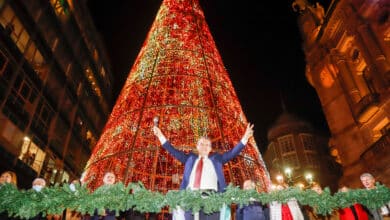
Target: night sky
260,46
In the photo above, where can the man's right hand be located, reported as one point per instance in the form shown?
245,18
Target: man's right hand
157,131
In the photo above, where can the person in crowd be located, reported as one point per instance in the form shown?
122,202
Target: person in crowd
108,179
203,171
74,184
368,181
9,177
288,211
38,184
311,213
308,211
354,212
254,210
68,213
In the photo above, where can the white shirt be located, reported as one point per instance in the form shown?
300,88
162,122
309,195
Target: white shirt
209,178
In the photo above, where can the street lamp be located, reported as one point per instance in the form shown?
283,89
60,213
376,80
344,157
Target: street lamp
300,185
309,178
279,178
288,172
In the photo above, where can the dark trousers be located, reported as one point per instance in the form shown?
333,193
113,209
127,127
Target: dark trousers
202,216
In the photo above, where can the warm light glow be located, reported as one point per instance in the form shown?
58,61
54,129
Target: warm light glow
26,138
309,177
288,171
300,185
93,82
279,178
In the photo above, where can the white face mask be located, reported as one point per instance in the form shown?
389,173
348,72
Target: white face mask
37,188
72,187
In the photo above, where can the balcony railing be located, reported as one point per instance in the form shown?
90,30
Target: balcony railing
366,107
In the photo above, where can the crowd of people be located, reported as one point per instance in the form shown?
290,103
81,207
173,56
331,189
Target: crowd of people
203,171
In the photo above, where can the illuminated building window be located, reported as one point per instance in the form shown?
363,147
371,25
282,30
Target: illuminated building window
33,55
381,128
61,7
32,155
286,144
308,142
93,82
49,171
14,28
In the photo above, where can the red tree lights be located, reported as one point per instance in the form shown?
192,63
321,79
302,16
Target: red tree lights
178,76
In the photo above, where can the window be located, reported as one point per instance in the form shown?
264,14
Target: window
33,55
44,113
49,170
14,28
308,142
6,72
42,119
291,160
32,155
286,144
25,90
61,7
312,160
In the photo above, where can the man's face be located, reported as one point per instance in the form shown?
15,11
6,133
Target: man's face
368,182
109,179
203,146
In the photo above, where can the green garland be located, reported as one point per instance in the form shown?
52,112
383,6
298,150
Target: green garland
53,200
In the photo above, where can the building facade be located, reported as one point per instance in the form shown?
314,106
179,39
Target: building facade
56,88
300,154
347,54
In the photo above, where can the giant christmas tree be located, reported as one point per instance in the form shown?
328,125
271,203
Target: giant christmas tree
179,77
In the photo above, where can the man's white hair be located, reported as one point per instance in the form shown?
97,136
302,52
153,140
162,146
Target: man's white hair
366,175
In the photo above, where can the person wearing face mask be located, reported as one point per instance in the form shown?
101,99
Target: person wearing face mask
70,214
37,185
